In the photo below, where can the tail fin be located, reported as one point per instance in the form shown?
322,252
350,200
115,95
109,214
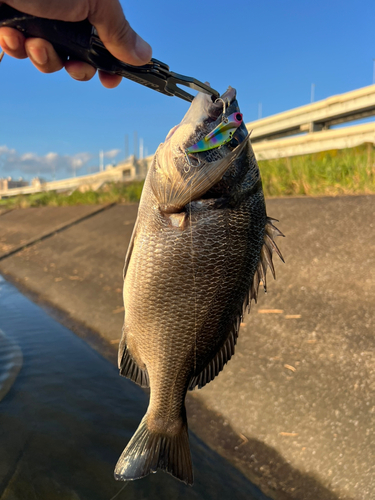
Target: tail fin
149,450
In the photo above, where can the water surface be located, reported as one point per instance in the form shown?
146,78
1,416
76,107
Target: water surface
68,415
10,363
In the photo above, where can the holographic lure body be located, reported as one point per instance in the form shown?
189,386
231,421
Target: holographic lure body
220,135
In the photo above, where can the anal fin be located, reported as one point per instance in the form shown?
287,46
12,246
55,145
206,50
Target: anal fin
221,358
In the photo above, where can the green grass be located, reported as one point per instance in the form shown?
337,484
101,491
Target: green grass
345,171
110,193
330,173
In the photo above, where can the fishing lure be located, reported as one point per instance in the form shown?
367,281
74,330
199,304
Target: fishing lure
220,135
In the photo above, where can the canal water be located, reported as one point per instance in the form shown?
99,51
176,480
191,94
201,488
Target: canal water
66,415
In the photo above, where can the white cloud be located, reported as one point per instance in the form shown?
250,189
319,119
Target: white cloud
111,153
32,164
5,150
51,156
28,157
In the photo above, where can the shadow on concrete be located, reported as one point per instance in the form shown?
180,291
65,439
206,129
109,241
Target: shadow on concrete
262,464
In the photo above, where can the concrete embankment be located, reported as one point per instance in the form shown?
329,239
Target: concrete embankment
294,409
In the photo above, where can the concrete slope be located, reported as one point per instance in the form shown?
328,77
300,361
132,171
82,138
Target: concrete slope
19,229
302,382
294,409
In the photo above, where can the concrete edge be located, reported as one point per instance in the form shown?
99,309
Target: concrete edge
54,231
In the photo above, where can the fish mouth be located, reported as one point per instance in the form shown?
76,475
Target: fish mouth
203,116
199,152
221,104
213,113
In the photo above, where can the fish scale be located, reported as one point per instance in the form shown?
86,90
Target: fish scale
191,268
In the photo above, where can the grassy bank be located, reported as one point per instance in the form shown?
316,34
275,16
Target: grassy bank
330,173
110,193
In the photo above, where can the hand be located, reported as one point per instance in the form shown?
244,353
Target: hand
106,15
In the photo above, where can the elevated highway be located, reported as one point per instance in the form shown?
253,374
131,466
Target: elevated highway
340,138
318,116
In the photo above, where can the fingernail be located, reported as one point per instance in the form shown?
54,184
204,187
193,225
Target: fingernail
142,49
12,42
77,76
38,55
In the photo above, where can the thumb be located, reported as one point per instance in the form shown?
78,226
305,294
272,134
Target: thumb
117,34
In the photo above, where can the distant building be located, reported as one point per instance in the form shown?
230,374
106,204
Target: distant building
10,183
17,184
37,182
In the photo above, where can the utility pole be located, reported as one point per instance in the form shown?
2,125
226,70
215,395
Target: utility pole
126,146
135,144
101,160
312,96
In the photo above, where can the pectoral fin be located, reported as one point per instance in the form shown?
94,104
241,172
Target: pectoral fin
130,248
129,367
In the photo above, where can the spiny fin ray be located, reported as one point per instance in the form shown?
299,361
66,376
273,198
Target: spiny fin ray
216,365
222,357
269,246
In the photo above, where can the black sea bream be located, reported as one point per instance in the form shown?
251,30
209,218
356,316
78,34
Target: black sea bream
200,247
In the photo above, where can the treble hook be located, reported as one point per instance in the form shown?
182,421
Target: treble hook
187,170
225,119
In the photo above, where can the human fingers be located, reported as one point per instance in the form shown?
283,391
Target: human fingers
13,43
43,55
106,15
109,81
117,34
108,18
80,70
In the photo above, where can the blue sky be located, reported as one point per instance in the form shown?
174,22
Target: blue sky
271,51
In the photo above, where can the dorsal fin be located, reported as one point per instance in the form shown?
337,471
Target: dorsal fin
269,246
222,357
